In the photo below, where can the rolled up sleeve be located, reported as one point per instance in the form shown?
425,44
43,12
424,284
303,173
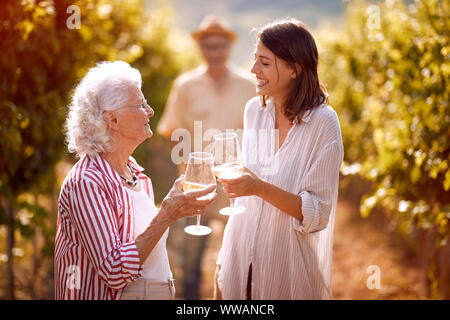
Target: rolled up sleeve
319,188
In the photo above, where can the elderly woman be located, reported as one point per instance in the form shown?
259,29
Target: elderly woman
111,238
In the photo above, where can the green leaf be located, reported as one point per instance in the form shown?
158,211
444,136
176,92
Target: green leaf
446,182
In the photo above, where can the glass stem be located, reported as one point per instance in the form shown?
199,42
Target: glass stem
198,220
232,200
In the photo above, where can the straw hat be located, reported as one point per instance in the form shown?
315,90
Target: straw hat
213,25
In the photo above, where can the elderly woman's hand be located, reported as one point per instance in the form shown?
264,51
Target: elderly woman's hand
248,184
178,204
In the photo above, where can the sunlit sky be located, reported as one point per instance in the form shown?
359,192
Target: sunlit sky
244,15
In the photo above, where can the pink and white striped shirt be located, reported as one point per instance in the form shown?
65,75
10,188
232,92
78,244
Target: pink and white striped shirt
95,254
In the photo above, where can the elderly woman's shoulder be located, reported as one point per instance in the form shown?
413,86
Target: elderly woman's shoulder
84,173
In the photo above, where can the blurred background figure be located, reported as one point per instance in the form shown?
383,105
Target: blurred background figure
214,94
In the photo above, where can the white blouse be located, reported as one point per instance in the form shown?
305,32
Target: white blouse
156,266
290,259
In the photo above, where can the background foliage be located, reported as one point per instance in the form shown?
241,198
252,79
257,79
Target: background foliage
389,83
40,62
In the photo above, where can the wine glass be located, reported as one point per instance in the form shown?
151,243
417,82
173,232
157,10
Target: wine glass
228,165
197,177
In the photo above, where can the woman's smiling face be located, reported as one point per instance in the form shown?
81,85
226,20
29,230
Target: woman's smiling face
273,75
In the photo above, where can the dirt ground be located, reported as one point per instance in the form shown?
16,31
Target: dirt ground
358,244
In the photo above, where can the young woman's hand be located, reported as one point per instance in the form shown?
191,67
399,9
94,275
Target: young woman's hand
247,185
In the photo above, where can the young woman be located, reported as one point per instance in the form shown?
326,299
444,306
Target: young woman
281,247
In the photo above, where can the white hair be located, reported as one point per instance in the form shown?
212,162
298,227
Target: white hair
104,87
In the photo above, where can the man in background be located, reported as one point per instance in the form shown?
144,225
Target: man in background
212,96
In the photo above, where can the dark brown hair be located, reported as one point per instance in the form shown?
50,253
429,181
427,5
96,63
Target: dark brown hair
291,41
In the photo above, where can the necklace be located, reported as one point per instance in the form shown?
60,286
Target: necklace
129,182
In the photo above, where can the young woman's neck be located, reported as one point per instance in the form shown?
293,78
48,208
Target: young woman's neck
280,118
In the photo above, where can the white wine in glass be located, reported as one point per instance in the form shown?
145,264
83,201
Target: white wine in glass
197,177
192,186
228,165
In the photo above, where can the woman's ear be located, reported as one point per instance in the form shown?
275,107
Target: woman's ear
296,70
110,119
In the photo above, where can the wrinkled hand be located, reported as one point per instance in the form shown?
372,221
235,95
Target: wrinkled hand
247,185
178,204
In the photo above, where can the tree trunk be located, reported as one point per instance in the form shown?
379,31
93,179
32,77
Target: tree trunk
444,268
9,251
54,217
35,279
424,260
